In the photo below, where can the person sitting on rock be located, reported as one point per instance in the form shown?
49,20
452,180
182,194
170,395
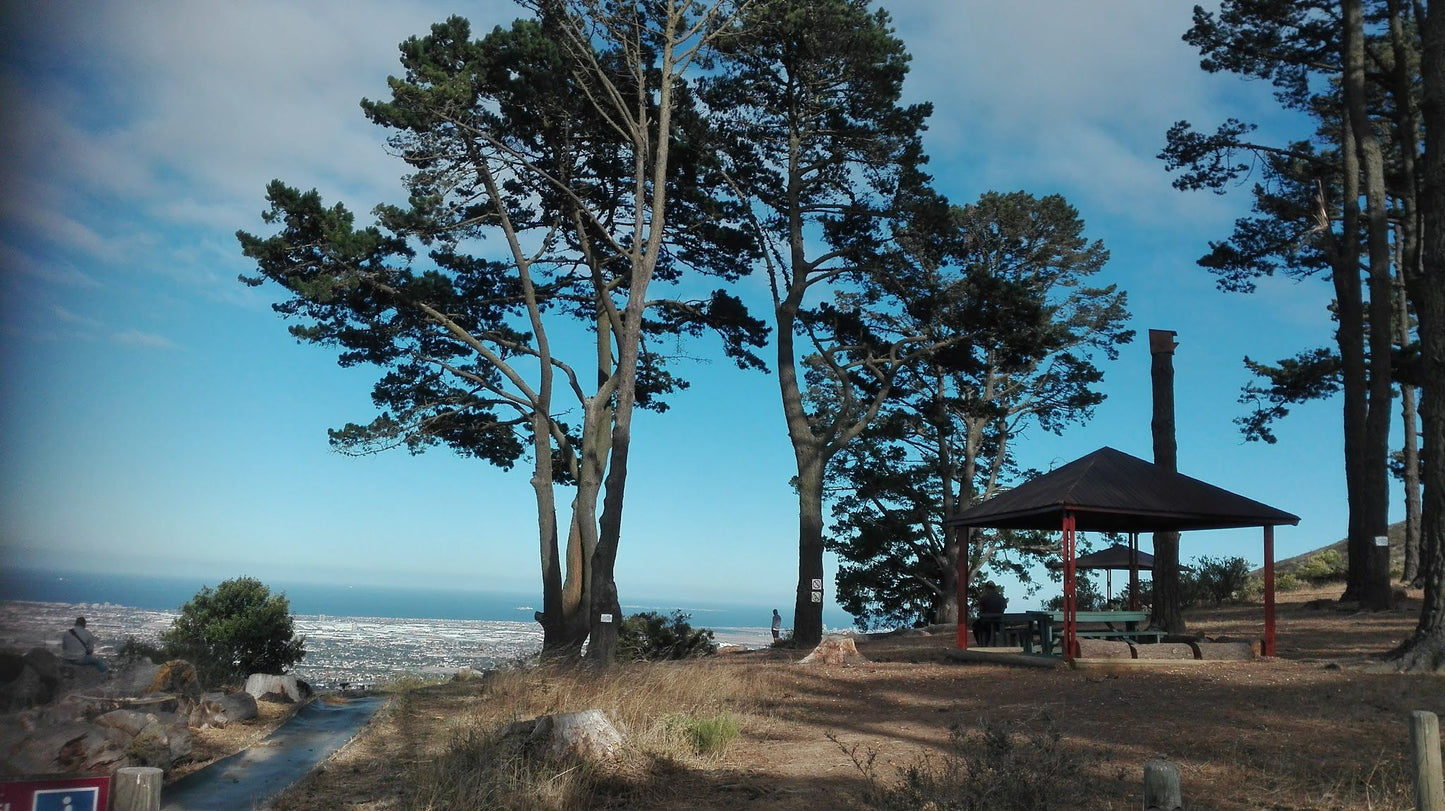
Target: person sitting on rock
77,647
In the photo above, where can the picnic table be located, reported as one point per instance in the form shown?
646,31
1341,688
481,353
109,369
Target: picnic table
1045,628
1107,625
1020,629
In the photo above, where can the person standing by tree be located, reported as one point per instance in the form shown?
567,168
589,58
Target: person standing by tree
77,646
777,625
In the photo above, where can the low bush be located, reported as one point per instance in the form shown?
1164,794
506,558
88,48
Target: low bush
651,637
1322,567
1218,580
133,649
1287,582
997,767
707,734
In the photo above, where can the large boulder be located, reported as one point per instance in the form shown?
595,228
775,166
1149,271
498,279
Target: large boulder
131,722
282,689
21,687
219,709
834,650
586,735
177,677
94,749
134,677
45,664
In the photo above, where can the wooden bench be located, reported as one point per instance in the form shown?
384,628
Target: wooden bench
1109,619
1015,629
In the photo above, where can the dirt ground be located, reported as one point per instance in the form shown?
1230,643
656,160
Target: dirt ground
1323,726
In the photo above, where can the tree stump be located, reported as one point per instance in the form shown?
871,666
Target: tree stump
835,650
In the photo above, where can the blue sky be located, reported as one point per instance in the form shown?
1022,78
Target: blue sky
156,417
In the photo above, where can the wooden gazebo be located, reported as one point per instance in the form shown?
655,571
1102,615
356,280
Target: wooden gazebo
1111,491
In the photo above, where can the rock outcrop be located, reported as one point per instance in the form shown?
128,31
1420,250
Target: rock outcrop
282,689
62,718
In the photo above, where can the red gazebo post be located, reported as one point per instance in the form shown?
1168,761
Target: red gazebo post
1268,590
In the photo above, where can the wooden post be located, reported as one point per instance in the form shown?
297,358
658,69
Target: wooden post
1425,751
1161,786
136,788
965,547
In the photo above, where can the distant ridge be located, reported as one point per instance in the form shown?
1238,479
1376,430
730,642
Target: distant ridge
1397,550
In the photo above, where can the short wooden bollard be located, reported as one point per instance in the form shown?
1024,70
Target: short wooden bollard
136,788
1161,786
1425,751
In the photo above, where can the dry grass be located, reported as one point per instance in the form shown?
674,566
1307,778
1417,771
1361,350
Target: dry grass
213,743
1322,727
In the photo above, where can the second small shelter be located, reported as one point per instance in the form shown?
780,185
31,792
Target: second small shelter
1123,558
1111,491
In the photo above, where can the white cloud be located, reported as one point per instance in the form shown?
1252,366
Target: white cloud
139,118
145,340
16,262
66,316
1066,96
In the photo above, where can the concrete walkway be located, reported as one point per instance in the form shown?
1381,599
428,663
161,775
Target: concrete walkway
248,779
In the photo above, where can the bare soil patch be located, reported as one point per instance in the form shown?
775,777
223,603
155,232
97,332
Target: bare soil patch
1321,727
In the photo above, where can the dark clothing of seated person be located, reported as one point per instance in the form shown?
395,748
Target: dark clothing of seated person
77,647
990,603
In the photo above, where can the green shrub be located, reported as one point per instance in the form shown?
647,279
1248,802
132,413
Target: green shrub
708,735
1218,580
650,636
1087,596
1322,567
1287,582
133,648
237,629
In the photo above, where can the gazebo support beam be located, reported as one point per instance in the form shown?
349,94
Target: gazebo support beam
1133,571
1268,590
965,546
1070,588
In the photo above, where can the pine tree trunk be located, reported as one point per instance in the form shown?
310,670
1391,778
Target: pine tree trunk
1425,649
808,611
1373,581
1407,129
1354,387
1167,612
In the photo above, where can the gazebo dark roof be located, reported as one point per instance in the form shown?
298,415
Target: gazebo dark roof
1111,491
1115,557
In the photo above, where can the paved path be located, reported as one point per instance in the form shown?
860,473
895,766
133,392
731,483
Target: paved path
247,779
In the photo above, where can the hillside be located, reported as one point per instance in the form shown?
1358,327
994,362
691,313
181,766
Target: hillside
1397,551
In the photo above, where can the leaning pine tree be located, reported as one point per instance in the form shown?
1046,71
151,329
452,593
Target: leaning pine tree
559,168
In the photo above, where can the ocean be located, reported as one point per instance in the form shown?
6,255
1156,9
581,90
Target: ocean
354,634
